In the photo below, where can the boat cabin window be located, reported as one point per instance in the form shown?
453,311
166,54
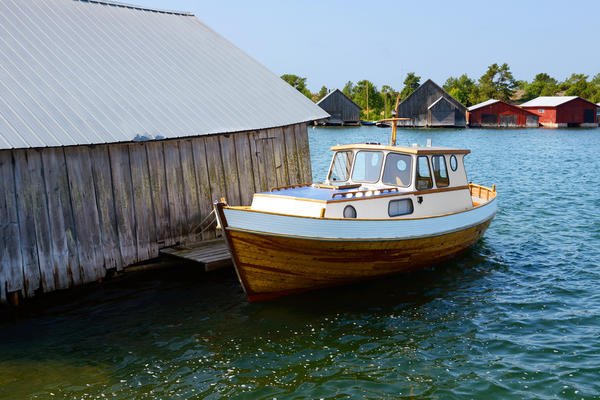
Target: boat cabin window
367,166
340,169
440,172
397,170
453,162
400,207
424,180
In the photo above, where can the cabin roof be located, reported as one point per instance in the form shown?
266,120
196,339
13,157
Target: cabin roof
87,72
402,149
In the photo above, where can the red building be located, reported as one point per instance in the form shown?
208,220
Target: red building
563,111
496,113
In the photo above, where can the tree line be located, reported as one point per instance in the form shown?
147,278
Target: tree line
496,83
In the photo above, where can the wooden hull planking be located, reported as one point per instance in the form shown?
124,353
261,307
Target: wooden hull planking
271,266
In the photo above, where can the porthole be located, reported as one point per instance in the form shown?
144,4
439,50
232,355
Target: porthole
453,163
349,212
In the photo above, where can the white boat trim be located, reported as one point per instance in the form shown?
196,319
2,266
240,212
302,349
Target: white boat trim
356,229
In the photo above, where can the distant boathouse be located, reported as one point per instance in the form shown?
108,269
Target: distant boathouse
431,106
499,114
563,111
119,126
342,110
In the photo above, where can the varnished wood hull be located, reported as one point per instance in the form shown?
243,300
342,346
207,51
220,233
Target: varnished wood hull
270,266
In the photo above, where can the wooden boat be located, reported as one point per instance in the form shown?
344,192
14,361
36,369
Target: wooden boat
383,210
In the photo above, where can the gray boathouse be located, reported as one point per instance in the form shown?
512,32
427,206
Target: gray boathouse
431,106
342,110
119,126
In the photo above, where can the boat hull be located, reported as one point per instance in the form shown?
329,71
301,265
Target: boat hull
270,265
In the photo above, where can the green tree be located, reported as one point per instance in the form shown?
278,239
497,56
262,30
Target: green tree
348,89
542,85
298,83
462,89
595,89
411,83
577,85
365,94
388,96
320,94
497,83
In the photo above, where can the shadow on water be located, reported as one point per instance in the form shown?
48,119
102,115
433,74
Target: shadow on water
186,295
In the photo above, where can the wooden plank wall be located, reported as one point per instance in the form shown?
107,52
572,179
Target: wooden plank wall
337,104
70,215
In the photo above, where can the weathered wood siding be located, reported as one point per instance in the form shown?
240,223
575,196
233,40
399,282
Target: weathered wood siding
417,107
340,107
70,215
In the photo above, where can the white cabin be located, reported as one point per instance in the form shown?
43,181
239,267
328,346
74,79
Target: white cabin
372,181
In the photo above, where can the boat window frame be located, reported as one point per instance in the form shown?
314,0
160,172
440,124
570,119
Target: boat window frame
417,175
348,178
453,160
378,177
409,168
408,200
436,172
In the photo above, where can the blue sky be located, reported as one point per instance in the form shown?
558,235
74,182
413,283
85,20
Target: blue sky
332,41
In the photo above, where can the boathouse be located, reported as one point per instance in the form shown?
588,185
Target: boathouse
563,111
342,110
119,127
431,106
499,114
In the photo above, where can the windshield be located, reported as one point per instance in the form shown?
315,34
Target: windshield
367,166
340,168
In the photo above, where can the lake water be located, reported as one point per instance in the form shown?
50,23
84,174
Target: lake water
516,317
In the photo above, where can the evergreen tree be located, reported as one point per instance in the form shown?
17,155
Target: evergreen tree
411,83
365,94
388,95
462,89
298,83
497,83
542,85
348,89
320,94
577,85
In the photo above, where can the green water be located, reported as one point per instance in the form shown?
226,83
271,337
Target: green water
516,317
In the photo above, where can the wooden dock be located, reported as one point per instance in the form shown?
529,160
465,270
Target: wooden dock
213,254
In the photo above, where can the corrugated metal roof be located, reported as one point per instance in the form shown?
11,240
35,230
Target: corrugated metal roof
83,72
483,104
548,101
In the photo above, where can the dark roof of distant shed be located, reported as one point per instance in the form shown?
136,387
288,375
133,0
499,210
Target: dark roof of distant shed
448,97
84,72
338,92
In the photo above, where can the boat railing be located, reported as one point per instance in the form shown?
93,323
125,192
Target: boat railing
482,192
298,185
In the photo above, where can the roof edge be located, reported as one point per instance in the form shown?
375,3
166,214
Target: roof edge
135,7
343,94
